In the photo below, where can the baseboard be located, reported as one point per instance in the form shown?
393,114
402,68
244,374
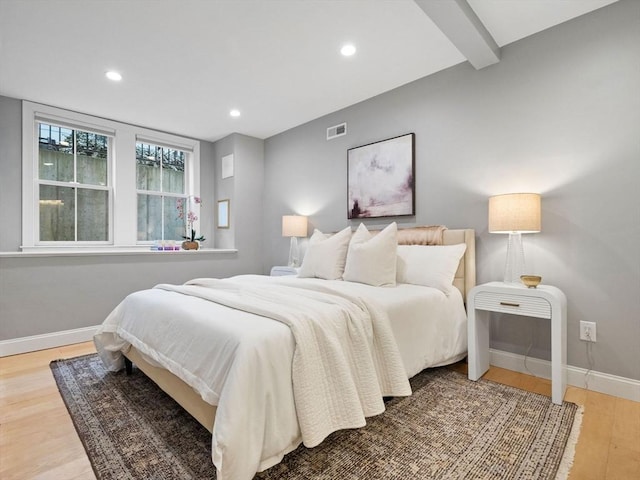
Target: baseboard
597,381
47,340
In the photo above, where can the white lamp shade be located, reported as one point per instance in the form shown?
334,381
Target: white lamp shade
515,212
294,226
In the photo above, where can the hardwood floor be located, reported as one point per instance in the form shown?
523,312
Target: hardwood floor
38,440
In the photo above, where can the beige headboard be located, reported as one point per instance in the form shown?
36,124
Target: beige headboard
465,278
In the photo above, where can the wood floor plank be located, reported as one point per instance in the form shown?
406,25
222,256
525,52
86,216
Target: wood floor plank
623,462
24,362
78,469
600,403
576,395
626,425
41,458
592,455
34,383
35,405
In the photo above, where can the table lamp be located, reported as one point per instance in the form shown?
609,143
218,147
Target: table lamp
515,214
294,226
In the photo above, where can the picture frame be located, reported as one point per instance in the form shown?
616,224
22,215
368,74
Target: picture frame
381,178
227,166
224,213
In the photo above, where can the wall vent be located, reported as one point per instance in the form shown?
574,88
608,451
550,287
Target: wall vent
336,131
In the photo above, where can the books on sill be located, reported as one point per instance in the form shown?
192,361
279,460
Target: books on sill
165,246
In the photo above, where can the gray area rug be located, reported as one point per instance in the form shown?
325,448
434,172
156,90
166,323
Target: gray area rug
450,428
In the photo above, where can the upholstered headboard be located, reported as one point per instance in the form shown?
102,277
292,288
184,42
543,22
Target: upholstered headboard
465,278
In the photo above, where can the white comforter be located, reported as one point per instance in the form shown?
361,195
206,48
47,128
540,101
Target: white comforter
246,366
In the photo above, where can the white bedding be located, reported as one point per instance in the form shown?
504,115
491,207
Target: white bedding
430,327
245,366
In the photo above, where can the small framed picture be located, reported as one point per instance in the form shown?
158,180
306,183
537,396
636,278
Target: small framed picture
223,213
227,166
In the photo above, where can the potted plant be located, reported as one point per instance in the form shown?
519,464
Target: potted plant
191,242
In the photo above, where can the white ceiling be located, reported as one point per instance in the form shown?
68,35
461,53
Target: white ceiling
186,63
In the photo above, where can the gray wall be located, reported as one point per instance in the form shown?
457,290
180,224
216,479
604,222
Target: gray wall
245,191
10,174
559,115
49,294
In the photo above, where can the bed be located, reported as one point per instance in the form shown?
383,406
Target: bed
272,422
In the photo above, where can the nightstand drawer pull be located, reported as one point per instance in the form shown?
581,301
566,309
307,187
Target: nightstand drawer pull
509,304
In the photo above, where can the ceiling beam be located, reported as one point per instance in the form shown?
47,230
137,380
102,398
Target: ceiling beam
457,20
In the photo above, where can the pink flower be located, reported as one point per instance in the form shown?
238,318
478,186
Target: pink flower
191,217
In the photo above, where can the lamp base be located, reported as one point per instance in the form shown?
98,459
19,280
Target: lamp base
294,259
514,266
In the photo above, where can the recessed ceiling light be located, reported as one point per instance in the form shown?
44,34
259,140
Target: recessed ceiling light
348,50
234,113
113,75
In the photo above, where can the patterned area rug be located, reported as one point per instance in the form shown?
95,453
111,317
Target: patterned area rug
450,428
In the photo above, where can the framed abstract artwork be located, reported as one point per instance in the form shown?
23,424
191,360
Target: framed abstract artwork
381,178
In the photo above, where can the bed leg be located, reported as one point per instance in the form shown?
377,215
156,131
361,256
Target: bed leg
128,366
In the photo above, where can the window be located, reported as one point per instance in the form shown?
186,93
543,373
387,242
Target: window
93,183
160,183
74,190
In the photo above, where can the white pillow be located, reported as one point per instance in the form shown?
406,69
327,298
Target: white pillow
429,265
326,255
372,259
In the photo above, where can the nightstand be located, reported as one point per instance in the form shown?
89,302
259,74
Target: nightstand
280,271
545,301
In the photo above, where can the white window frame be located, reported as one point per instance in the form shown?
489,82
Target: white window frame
159,193
72,184
123,207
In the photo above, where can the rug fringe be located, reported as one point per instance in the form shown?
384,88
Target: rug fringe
570,448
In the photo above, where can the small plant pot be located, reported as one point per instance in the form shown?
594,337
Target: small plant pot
187,245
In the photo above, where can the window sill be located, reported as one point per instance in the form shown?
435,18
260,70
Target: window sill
113,251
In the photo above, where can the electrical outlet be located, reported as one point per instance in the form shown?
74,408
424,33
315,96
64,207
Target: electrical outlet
588,331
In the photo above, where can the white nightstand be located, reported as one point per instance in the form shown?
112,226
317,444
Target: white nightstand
545,301
280,271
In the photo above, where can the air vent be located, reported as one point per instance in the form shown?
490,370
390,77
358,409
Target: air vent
336,131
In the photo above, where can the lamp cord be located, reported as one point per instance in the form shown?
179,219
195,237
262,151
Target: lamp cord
590,361
526,354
